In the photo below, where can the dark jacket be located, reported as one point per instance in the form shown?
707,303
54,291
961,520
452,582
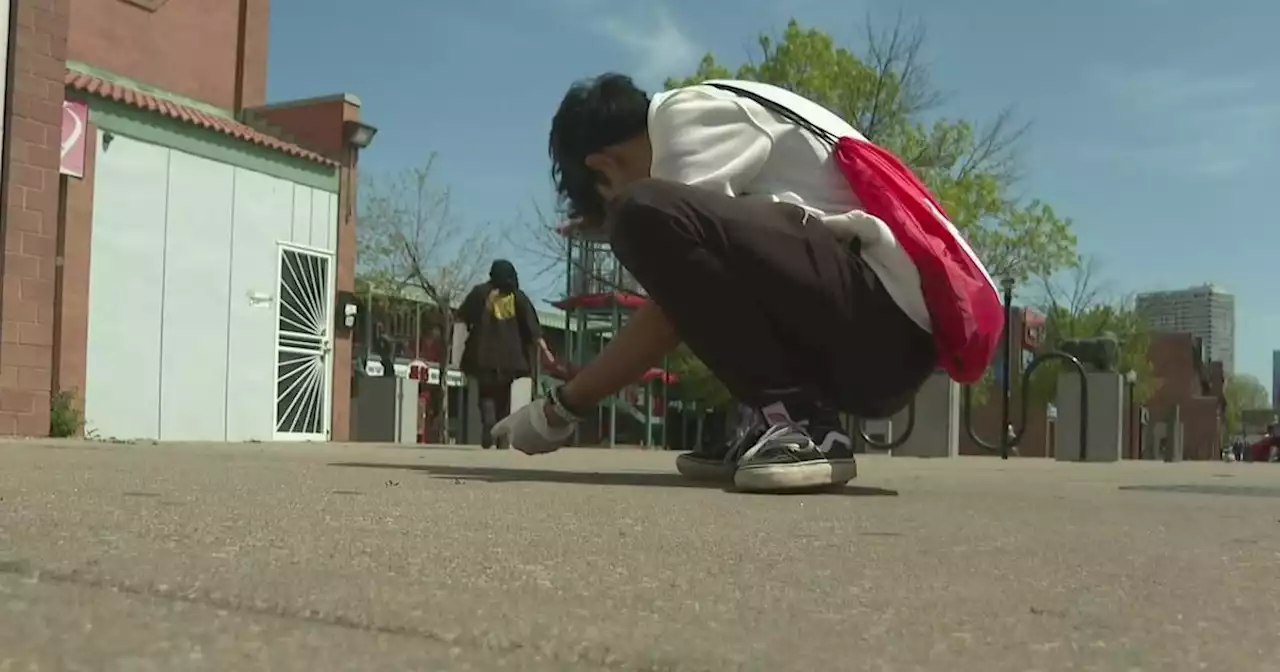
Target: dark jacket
503,328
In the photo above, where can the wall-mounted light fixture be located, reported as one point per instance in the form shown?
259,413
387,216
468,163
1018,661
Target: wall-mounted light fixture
358,134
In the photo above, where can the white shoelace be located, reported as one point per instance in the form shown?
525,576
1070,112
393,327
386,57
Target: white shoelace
772,433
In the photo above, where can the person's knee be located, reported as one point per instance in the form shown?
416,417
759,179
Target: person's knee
645,210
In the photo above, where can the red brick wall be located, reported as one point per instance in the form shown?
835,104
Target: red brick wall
345,282
1217,379
1174,362
73,308
1201,433
316,125
31,215
253,78
189,47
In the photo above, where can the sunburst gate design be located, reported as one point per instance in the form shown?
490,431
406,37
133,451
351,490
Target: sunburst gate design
303,342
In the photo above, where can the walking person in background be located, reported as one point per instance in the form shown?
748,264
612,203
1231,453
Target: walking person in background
385,347
502,334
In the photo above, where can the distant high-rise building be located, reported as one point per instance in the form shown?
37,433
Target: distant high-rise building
1206,312
1275,379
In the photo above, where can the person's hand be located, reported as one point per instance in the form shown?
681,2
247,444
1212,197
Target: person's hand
528,431
563,370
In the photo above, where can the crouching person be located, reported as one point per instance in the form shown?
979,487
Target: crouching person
736,206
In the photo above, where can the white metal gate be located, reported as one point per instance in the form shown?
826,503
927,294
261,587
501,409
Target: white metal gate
304,318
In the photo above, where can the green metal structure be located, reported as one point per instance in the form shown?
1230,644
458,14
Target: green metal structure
599,297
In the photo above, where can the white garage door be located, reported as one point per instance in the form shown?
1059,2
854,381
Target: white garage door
185,295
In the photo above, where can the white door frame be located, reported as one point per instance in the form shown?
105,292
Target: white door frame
326,344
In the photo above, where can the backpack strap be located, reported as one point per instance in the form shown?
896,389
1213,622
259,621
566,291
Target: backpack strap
780,110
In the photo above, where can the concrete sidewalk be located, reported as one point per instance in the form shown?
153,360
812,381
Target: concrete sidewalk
342,557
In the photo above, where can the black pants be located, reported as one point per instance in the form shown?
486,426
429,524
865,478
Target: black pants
495,404
771,301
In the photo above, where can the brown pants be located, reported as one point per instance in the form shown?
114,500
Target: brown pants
775,305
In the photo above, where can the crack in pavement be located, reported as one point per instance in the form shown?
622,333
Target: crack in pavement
593,655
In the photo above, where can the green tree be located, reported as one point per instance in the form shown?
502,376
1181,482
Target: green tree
885,92
696,380
1243,393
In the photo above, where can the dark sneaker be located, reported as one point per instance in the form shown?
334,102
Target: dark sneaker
717,464
788,458
707,466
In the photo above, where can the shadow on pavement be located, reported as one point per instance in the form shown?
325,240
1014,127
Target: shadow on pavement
645,479
1227,490
425,447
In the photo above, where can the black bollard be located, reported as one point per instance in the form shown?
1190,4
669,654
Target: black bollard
1006,385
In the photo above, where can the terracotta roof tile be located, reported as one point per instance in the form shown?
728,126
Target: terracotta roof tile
101,88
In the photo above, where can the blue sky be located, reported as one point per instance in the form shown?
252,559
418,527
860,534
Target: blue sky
1156,122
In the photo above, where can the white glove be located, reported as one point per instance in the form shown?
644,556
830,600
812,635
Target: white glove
528,432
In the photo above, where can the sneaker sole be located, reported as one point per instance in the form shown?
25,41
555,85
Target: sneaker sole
801,476
710,471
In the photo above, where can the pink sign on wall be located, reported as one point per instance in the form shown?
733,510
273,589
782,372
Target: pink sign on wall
75,123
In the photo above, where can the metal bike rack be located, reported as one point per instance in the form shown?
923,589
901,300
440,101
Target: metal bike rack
1010,439
897,441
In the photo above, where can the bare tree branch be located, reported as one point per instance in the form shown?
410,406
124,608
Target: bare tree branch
994,150
538,239
409,237
411,246
593,270
902,87
1082,293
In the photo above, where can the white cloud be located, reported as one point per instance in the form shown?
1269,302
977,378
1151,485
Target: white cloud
1208,125
646,31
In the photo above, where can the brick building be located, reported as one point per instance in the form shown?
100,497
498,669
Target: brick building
1186,381
1196,387
174,246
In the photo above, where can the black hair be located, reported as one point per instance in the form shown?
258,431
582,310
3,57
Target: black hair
503,277
594,114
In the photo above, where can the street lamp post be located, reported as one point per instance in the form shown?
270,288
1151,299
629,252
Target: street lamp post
1131,379
1007,437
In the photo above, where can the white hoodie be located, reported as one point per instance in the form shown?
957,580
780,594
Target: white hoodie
712,138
